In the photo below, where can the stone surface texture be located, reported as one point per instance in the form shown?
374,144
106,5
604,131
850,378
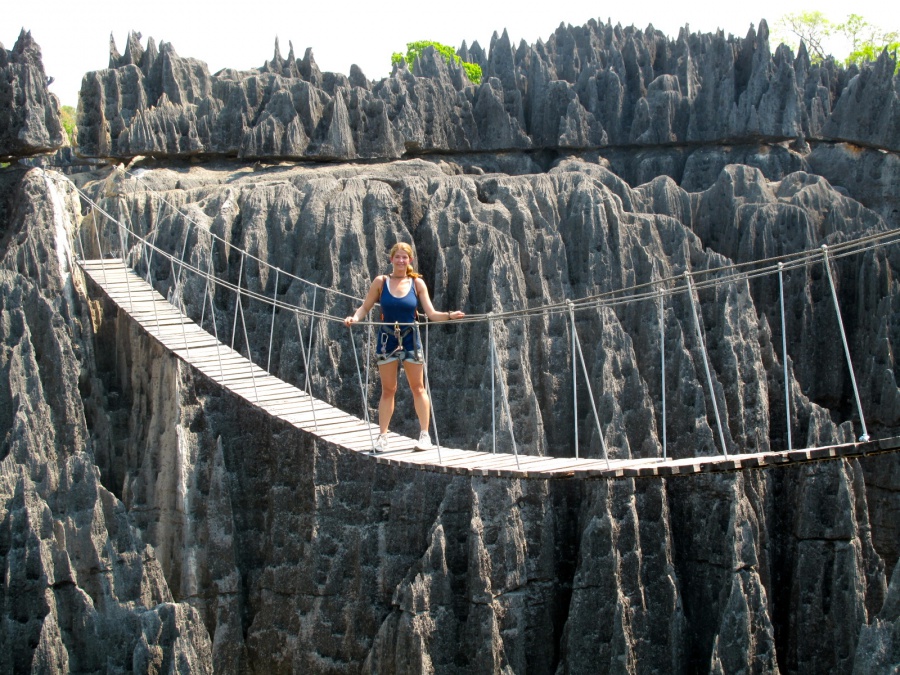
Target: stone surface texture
29,113
590,86
151,521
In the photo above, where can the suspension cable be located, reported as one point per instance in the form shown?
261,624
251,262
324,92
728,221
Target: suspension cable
505,401
712,391
362,390
587,380
784,357
662,370
272,325
306,368
190,220
437,440
837,311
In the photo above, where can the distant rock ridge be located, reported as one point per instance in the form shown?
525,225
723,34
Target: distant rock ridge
29,113
588,87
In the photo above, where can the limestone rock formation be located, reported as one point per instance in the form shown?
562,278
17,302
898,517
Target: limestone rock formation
29,113
82,591
593,86
336,564
154,522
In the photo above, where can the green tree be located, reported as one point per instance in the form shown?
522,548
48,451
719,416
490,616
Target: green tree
814,28
67,117
866,41
414,51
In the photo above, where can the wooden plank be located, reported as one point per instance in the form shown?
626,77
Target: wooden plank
215,353
244,377
302,417
260,397
226,360
302,402
253,379
323,422
199,340
302,413
259,387
478,460
227,366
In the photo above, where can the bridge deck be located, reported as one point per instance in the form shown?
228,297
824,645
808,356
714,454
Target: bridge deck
220,363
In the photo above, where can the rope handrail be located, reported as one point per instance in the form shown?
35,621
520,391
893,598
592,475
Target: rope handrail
257,259
218,281
141,251
650,290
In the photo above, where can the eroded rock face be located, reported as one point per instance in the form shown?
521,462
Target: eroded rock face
81,589
29,113
593,86
153,522
297,556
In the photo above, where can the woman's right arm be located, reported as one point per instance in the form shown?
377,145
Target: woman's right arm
371,298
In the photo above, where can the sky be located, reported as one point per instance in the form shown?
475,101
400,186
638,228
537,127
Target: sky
74,38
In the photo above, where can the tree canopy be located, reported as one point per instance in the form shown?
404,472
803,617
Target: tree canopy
867,41
414,51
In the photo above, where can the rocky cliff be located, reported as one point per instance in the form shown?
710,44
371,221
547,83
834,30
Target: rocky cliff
29,113
593,86
152,521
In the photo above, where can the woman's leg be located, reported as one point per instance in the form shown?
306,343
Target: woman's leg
388,373
415,375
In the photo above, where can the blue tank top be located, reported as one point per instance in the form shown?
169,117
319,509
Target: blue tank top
402,310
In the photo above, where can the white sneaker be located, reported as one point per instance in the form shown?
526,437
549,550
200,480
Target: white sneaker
424,442
381,444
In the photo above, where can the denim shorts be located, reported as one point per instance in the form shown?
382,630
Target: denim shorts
414,356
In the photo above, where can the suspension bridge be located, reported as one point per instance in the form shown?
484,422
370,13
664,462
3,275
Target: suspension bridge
114,273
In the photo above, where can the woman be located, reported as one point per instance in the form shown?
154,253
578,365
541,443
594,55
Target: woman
399,293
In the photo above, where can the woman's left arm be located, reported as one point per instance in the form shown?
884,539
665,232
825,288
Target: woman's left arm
430,311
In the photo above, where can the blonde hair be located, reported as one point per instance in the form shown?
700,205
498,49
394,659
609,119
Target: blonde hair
407,249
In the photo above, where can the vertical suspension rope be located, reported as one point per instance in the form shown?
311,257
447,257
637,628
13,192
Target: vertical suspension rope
272,325
362,390
712,392
368,354
123,235
212,307
247,340
308,356
177,293
153,302
97,235
587,381
662,370
147,259
837,310
493,389
155,237
81,247
312,403
205,289
124,264
504,399
237,298
187,231
784,357
574,378
437,440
